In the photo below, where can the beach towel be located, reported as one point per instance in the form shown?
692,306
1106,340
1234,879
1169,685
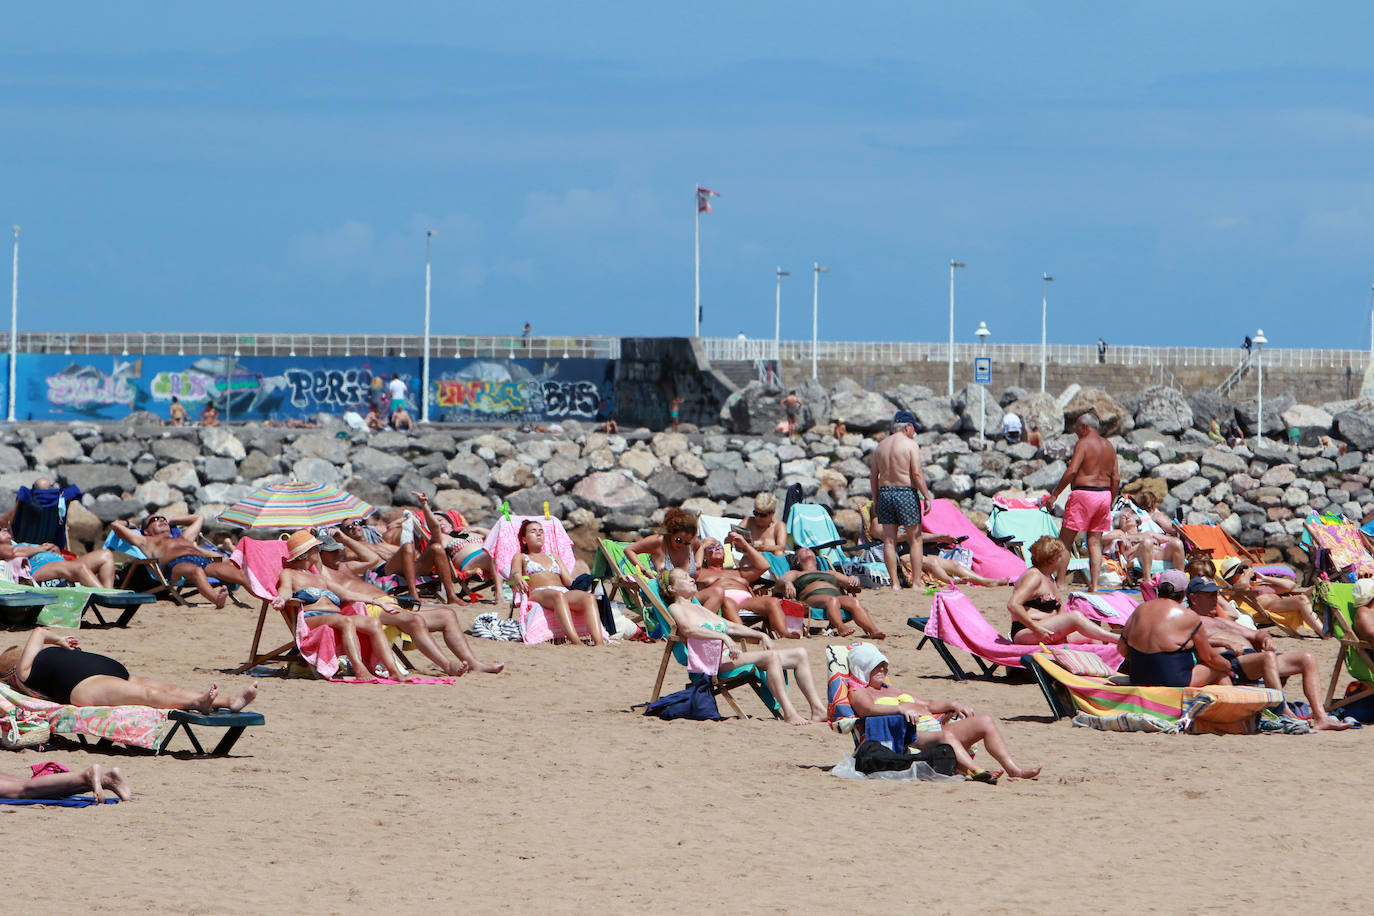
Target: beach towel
1015,502
1346,549
262,562
539,624
989,560
955,621
503,542
1107,607
67,801
137,726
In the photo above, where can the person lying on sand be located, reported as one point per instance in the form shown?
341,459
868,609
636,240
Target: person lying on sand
871,694
696,622
1251,656
1036,609
825,590
94,779
55,668
737,584
179,555
417,624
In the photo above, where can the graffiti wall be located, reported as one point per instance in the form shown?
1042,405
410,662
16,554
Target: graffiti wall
108,387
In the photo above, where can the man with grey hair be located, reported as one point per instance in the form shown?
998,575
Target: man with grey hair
1095,479
895,476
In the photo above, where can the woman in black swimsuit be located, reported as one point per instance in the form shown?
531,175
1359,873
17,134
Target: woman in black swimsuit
1035,606
54,668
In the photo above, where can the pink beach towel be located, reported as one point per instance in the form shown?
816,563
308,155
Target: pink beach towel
704,655
262,561
539,624
989,560
955,620
503,542
1106,607
1015,502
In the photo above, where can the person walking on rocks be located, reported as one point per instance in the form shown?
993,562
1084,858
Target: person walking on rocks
791,405
895,476
1095,478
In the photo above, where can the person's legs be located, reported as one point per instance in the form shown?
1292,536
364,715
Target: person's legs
402,563
799,662
771,608
107,690
368,628
435,559
1363,620
1305,664
915,549
889,533
445,619
217,595
583,603
1094,558
557,602
59,785
1065,624
861,617
831,605
950,570
771,663
730,610
225,571
1171,552
101,564
982,728
71,570
417,628
1289,603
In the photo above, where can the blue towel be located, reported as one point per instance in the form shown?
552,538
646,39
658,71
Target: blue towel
71,801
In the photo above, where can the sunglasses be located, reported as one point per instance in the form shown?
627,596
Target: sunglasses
759,513
154,518
351,525
679,539
715,548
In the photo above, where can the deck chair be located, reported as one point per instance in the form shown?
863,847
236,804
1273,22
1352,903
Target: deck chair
1216,543
67,606
890,730
1356,656
1017,529
658,624
40,516
955,621
1339,551
1212,710
21,610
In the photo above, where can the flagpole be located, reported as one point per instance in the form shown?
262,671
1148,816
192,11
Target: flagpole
696,304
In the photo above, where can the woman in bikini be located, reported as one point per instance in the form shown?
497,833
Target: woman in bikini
696,622
322,606
1271,593
55,668
738,583
1037,614
766,531
826,590
871,694
673,548
547,582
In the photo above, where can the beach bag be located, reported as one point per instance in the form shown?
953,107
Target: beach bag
876,757
493,626
20,728
695,702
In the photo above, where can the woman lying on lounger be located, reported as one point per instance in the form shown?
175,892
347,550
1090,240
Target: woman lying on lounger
54,668
94,779
322,606
826,590
1036,609
941,569
547,582
696,622
1271,593
871,694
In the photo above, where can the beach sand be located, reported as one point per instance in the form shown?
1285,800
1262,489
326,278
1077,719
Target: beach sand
541,790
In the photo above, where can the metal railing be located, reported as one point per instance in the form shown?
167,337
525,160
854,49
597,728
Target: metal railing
895,352
442,346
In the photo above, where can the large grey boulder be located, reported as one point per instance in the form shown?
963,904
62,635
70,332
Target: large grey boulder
1247,412
512,475
1038,411
531,501
563,471
178,449
120,451
470,471
617,498
668,444
752,410
904,396
216,440
973,401
673,488
370,491
319,445
816,407
1112,416
1311,422
862,411
1206,404
379,466
96,479
311,470
57,448
403,493
1356,427
1162,408
934,414
179,474
220,470
11,460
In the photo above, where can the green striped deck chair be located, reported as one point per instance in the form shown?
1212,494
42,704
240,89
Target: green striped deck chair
1356,657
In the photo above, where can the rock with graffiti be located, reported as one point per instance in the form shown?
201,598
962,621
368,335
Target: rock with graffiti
505,391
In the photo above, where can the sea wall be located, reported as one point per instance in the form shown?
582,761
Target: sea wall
620,485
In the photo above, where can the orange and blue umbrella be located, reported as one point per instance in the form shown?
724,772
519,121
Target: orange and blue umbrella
294,505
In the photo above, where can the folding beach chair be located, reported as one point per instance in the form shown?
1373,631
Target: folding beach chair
40,516
1017,529
1338,550
890,730
1356,656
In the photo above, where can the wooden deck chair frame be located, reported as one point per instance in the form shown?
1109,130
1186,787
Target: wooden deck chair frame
289,612
1248,601
1354,654
720,685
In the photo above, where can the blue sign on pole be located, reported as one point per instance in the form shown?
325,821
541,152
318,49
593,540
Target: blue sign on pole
982,370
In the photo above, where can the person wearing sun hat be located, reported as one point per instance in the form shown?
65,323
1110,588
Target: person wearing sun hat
1276,594
871,694
895,478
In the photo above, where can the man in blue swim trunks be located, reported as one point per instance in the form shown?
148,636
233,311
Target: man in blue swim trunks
179,555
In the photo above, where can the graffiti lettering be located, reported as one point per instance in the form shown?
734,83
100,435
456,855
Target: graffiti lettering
75,390
563,399
188,386
500,397
332,387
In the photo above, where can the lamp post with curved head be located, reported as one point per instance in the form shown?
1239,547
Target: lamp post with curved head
952,264
1259,342
982,334
1045,281
817,270
424,374
777,322
14,320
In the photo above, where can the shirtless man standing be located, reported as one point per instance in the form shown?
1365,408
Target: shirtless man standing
179,556
1093,473
895,476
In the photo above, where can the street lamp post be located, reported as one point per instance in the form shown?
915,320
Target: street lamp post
777,323
817,270
1371,323
982,334
14,320
1259,342
1045,281
952,264
424,373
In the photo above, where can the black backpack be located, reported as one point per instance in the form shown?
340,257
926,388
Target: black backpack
874,757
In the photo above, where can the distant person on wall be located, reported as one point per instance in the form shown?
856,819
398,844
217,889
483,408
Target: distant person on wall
1246,344
396,389
1235,435
675,411
1033,437
791,405
401,420
378,394
605,415
525,335
177,413
374,418
840,430
209,415
1101,350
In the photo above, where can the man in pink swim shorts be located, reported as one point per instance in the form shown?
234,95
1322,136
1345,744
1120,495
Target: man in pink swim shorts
1095,479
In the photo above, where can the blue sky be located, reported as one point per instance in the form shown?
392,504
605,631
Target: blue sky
1187,174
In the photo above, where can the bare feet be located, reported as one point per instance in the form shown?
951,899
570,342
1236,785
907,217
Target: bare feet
250,693
115,781
844,631
1023,772
206,701
97,780
876,635
456,668
221,597
796,720
488,668
1328,724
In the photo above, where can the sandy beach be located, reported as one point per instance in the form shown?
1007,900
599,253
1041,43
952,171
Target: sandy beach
541,790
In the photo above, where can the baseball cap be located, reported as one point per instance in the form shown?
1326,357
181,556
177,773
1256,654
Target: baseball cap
1177,579
1200,584
328,544
904,416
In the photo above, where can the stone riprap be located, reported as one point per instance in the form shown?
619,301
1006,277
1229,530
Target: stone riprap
620,485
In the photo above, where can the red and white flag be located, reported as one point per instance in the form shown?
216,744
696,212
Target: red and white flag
704,196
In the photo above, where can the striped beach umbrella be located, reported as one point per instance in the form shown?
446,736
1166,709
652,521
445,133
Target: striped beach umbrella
294,505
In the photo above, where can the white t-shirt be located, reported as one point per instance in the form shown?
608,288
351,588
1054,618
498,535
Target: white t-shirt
397,388
1011,423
